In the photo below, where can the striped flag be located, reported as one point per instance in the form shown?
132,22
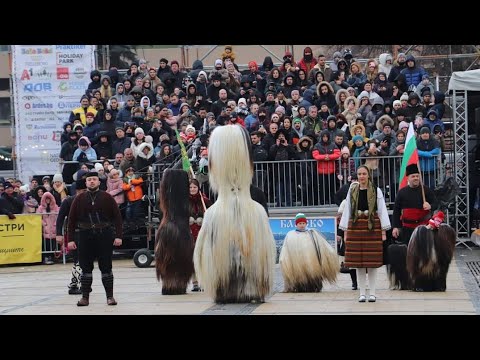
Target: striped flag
410,155
185,161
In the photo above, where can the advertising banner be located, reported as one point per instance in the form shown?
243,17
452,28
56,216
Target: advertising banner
20,239
325,225
48,82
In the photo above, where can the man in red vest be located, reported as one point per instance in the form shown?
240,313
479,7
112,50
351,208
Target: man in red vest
410,209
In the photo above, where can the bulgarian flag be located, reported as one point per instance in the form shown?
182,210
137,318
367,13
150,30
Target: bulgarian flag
410,155
185,161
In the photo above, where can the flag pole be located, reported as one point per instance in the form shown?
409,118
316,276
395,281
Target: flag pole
421,180
186,163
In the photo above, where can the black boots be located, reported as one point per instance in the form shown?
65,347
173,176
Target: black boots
86,281
353,276
107,280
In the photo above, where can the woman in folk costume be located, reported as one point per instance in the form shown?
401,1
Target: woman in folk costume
235,250
365,222
173,243
429,254
197,212
307,259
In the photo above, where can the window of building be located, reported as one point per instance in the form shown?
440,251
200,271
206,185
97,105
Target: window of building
4,48
5,84
5,114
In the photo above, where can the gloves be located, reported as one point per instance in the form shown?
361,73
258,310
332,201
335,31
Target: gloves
11,216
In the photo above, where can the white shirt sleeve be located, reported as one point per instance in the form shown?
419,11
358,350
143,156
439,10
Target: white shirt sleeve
346,213
382,211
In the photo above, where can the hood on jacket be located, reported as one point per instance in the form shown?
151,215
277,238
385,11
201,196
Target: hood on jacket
337,95
46,196
382,119
143,146
330,88
86,139
95,73
302,139
197,65
355,100
148,99
382,59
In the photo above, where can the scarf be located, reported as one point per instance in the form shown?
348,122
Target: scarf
371,199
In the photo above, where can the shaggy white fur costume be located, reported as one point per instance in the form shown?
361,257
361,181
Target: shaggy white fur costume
235,250
307,260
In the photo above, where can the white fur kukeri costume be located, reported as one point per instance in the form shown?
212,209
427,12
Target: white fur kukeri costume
234,254
307,260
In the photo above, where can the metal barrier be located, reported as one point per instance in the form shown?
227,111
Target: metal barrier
297,183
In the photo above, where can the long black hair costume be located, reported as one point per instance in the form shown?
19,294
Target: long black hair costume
173,242
429,254
235,250
399,276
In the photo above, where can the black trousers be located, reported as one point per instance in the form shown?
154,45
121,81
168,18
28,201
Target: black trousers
96,244
405,234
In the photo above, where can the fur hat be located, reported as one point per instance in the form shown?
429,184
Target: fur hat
436,220
412,169
300,217
58,177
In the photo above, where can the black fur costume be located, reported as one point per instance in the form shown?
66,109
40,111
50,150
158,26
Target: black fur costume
174,244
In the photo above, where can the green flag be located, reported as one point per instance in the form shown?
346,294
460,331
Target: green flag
185,160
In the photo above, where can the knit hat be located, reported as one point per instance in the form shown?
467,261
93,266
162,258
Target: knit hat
345,150
401,55
404,97
297,120
45,178
357,137
300,217
436,220
210,114
397,102
425,130
242,100
139,130
403,124
58,177
219,62
190,127
90,114
98,167
174,62
7,185
280,109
